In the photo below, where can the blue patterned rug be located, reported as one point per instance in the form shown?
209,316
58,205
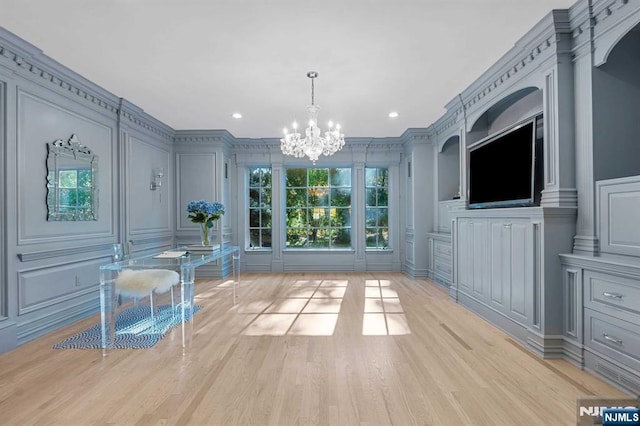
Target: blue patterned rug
134,329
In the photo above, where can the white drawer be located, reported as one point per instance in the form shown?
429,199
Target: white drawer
613,337
442,249
442,267
613,295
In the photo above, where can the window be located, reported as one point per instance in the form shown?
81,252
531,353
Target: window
259,207
318,208
75,193
377,208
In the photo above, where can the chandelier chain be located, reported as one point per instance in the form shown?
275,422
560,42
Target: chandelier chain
312,92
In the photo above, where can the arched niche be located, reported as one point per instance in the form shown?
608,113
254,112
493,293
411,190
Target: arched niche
449,169
509,110
616,102
605,44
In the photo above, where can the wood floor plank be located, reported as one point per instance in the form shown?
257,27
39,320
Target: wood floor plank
445,366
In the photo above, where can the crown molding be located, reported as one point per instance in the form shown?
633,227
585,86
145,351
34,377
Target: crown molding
31,63
218,137
132,114
551,36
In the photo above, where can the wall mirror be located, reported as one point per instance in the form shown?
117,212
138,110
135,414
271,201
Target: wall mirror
72,190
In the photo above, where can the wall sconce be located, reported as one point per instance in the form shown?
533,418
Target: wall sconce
156,179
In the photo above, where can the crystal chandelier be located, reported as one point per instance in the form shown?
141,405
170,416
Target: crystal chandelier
313,144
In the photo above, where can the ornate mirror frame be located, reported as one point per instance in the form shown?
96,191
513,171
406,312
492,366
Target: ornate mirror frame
72,175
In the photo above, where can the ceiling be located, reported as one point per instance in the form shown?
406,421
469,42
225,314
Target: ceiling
192,63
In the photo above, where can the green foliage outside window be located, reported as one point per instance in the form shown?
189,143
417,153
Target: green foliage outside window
377,208
318,207
260,207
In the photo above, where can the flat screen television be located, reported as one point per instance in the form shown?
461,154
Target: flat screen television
505,170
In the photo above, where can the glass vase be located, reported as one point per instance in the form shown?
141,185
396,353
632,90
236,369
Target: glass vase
205,234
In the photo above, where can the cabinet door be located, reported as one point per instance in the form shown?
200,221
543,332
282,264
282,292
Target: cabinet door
444,218
472,255
479,258
430,259
499,265
521,270
511,267
465,254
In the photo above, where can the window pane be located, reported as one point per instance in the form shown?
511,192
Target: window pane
266,178
341,238
319,238
254,236
371,197
254,218
370,177
318,196
340,177
266,237
382,197
383,217
296,217
254,198
383,237
266,218
318,177
254,177
341,197
296,237
296,177
296,197
371,217
340,217
371,235
383,177
265,198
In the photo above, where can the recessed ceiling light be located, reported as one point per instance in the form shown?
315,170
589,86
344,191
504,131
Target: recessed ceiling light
236,115
393,114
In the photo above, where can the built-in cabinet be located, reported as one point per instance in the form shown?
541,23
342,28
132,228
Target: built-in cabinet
495,264
602,294
602,300
439,243
507,269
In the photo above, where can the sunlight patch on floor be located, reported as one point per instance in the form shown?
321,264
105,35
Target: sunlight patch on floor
307,308
314,325
270,325
383,312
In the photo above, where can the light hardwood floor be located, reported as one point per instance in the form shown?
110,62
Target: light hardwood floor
269,360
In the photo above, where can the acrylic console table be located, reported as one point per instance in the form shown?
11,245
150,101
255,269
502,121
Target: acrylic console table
179,260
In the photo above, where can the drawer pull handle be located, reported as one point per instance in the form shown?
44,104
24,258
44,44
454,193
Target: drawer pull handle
612,295
507,225
612,339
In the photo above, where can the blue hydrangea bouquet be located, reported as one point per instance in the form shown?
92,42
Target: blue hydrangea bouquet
205,213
